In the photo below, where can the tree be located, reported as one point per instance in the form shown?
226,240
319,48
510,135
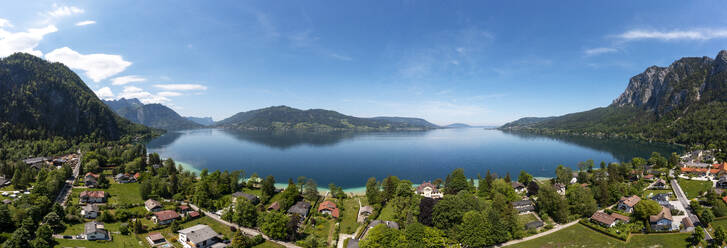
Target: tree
720,235
563,174
53,220
124,229
290,195
311,190
474,230
274,225
581,201
674,160
383,237
6,221
418,235
697,235
372,191
657,160
389,186
19,239
524,178
268,188
503,187
43,237
645,208
533,188
456,183
245,213
550,202
507,178
706,217
174,226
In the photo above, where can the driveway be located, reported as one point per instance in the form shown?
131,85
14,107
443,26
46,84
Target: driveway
685,202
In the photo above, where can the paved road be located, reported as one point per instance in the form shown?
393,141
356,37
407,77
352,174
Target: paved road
245,230
62,197
555,229
685,202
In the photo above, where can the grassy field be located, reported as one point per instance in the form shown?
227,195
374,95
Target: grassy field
526,218
322,228
582,236
118,239
120,193
693,187
656,191
719,222
268,244
350,213
387,213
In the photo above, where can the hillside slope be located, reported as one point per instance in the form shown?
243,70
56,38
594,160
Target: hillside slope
41,100
152,115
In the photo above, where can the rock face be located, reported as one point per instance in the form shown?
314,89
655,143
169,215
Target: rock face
152,115
684,82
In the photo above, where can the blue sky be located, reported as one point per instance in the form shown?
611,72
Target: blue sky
478,62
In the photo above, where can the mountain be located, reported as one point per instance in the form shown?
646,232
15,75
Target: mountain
204,121
683,103
457,125
41,100
287,118
151,115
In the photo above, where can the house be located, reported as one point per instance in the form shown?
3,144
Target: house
155,239
152,206
722,183
519,187
193,214
620,217
603,219
7,201
659,184
649,177
165,217
93,196
37,163
300,208
95,231
427,189
4,182
367,210
534,225
687,224
389,224
329,208
184,209
252,198
626,204
199,236
524,206
662,199
573,180
662,220
137,176
124,178
91,180
90,211
560,188
274,207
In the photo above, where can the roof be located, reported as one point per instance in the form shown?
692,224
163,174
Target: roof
151,204
156,236
522,203
193,214
603,218
300,208
630,201
650,176
94,194
166,215
251,198
559,186
327,205
91,174
664,214
183,207
687,222
421,187
368,209
534,224
389,224
724,199
516,184
620,217
92,227
90,208
274,206
137,175
198,233
660,181
35,160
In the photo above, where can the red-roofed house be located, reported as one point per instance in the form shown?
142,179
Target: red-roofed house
627,204
328,207
165,217
93,196
193,214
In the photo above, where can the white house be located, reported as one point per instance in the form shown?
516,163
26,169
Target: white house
661,221
627,204
90,211
95,231
199,236
427,189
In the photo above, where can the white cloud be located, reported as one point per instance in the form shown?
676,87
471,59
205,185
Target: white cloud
600,50
181,86
693,34
105,93
97,66
5,23
84,23
143,96
22,41
127,79
61,11
169,93
341,57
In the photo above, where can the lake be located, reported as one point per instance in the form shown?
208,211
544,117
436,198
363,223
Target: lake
348,159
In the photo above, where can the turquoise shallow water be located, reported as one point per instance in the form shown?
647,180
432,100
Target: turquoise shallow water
348,159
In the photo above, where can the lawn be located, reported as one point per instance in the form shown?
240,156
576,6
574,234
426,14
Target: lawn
692,187
120,193
719,222
581,236
118,239
657,191
526,218
350,213
268,244
387,213
322,227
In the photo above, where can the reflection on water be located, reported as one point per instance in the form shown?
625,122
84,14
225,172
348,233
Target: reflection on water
350,158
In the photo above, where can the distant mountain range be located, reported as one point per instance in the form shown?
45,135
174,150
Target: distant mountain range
685,103
204,121
41,100
457,125
151,115
287,118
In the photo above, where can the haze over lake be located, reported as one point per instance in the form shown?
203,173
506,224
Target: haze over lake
348,159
